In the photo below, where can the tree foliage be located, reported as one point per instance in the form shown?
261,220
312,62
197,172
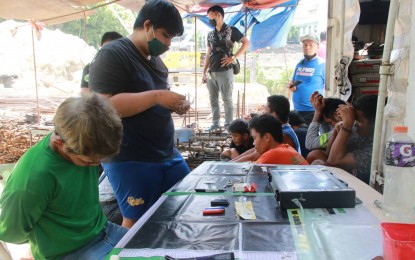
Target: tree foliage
240,77
276,86
280,85
96,25
293,35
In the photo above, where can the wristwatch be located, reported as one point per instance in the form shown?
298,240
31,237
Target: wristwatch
233,57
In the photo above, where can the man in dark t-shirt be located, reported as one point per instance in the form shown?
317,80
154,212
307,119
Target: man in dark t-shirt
219,60
300,128
248,144
241,139
131,74
106,38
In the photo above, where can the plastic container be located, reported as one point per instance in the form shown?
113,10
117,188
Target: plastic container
399,170
184,134
398,241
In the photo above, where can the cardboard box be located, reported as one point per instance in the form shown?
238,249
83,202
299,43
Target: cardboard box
362,91
364,66
365,80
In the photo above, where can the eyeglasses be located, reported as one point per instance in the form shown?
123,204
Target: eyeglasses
90,160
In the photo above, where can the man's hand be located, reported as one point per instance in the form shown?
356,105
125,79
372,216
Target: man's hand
204,78
170,100
183,108
317,101
291,87
226,61
347,114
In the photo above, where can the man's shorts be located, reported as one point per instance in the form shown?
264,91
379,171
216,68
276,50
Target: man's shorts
138,185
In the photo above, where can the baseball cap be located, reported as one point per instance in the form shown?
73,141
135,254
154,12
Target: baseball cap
312,37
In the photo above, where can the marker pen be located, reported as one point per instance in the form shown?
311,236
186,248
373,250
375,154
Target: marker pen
210,190
218,207
213,211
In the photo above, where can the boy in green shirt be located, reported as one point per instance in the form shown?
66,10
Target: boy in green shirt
51,197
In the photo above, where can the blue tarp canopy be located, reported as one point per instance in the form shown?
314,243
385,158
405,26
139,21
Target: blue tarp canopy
270,26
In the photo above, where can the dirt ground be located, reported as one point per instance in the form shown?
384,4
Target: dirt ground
23,110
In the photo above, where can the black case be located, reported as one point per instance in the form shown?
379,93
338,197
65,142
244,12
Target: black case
312,187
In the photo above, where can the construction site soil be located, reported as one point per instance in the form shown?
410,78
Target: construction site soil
26,115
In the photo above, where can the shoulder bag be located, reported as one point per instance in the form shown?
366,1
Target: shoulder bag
235,65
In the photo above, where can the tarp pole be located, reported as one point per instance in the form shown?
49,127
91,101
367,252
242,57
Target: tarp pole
384,75
237,106
244,95
34,69
195,98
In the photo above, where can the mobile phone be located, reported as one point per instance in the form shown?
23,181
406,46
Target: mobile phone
219,202
298,82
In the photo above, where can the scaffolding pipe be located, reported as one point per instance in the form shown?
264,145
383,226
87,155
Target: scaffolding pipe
208,138
195,98
237,106
35,71
384,76
243,97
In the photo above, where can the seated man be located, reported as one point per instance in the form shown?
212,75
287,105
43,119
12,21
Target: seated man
300,128
279,107
267,133
353,153
241,139
324,117
51,197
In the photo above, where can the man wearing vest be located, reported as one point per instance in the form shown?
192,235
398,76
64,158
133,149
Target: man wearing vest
217,71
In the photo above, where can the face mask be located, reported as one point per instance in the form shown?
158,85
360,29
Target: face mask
310,57
156,47
212,22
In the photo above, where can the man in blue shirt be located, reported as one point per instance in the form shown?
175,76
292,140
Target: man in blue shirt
311,72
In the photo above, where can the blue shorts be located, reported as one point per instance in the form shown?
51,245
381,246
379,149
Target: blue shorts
138,185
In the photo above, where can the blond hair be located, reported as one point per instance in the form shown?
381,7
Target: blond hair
89,125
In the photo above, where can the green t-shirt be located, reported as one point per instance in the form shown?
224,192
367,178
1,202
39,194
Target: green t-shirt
50,203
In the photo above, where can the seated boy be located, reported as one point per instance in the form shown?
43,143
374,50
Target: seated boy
300,128
267,133
279,107
241,139
353,151
51,198
324,115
